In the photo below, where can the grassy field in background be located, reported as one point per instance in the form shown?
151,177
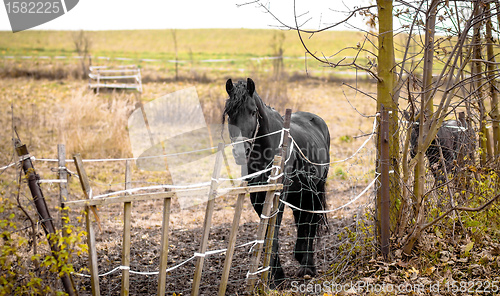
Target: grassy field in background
200,50
159,44
56,100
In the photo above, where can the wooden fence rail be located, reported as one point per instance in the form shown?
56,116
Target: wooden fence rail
90,203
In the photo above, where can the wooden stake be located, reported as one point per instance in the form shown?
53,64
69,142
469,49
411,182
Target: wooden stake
162,276
94,274
261,230
63,186
41,208
232,241
271,227
208,221
127,216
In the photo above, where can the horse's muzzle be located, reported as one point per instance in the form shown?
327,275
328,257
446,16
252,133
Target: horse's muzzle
241,153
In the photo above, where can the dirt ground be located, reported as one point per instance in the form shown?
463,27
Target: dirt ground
184,241
345,181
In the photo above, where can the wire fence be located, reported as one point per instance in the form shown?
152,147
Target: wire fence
348,196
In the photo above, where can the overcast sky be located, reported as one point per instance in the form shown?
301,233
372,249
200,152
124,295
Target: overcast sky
185,14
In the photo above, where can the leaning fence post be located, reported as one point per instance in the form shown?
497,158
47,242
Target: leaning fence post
41,207
63,186
271,228
94,275
208,221
261,230
384,204
127,208
232,241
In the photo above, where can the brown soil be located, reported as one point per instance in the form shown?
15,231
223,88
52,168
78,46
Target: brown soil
184,241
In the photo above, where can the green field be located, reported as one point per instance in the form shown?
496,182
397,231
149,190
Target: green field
225,50
159,44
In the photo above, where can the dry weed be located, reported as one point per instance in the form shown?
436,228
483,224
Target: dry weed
95,125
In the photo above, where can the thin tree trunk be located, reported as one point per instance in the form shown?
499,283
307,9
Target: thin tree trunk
430,29
477,78
387,100
494,114
426,108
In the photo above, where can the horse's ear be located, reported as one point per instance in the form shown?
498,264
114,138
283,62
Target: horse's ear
229,86
250,86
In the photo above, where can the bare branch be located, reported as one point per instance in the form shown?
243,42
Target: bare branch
463,209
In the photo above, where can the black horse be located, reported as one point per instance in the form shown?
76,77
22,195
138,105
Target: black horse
250,119
452,141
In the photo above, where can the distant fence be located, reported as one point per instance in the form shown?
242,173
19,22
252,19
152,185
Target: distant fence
103,58
124,77
136,60
171,61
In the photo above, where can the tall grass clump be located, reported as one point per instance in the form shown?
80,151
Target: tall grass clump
95,126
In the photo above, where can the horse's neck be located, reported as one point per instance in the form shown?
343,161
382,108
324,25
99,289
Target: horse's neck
264,144
275,121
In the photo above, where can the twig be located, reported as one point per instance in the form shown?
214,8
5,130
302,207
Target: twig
366,94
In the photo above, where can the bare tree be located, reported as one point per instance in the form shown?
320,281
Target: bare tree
83,44
441,71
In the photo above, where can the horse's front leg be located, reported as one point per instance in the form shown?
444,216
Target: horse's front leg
277,273
304,247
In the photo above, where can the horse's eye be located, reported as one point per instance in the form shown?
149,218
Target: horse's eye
254,112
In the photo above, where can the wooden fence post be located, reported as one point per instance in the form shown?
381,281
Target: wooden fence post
261,230
271,228
41,208
162,275
127,216
94,275
63,186
208,220
384,204
232,241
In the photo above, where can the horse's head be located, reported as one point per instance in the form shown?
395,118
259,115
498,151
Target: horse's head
242,110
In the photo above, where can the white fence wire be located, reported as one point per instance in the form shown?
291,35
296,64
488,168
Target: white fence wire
194,255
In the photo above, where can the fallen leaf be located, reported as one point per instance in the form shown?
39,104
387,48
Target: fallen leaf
402,264
438,233
430,270
468,248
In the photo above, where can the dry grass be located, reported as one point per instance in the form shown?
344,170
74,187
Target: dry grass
95,125
49,112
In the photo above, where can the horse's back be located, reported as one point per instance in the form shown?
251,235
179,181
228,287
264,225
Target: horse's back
310,123
311,133
452,134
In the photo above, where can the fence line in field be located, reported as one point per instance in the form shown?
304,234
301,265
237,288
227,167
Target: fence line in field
146,157
219,251
11,57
